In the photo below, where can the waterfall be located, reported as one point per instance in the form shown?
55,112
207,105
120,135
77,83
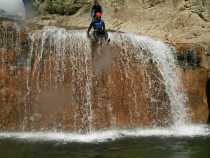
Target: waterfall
64,49
12,8
164,57
64,62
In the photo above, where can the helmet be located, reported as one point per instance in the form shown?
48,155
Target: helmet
98,14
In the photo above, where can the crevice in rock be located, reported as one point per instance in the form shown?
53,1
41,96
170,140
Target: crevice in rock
202,17
208,97
188,59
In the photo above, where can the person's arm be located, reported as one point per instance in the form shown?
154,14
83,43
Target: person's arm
89,28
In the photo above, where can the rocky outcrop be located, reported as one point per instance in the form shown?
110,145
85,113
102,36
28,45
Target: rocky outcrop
194,72
200,7
197,94
48,85
178,21
65,89
64,7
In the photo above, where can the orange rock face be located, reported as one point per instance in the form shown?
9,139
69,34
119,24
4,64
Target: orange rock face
195,86
194,80
72,88
12,83
97,91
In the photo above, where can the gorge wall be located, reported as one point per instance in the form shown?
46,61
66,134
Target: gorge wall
180,21
51,79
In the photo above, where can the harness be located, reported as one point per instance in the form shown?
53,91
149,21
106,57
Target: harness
98,25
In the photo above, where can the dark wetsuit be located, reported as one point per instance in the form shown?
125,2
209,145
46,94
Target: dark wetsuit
208,97
95,9
99,29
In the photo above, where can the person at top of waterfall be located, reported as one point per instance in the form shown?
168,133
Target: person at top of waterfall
99,28
96,8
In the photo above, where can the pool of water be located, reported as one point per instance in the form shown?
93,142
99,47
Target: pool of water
190,142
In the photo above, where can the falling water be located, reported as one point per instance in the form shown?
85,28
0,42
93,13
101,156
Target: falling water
76,92
164,57
61,49
12,9
64,49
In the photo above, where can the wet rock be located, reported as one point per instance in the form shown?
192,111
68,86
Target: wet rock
191,55
48,85
194,81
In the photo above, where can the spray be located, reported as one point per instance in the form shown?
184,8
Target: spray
13,7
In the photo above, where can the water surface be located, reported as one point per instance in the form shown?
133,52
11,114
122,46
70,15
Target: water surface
139,143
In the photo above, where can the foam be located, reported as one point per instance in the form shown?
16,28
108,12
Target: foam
109,135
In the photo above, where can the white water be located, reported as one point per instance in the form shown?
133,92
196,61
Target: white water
110,135
13,7
74,46
164,57
161,54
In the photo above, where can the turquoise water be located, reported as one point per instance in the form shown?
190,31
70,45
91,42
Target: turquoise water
112,144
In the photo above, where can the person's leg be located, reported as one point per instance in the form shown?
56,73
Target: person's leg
95,36
103,35
106,35
100,38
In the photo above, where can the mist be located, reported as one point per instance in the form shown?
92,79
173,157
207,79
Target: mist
13,7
